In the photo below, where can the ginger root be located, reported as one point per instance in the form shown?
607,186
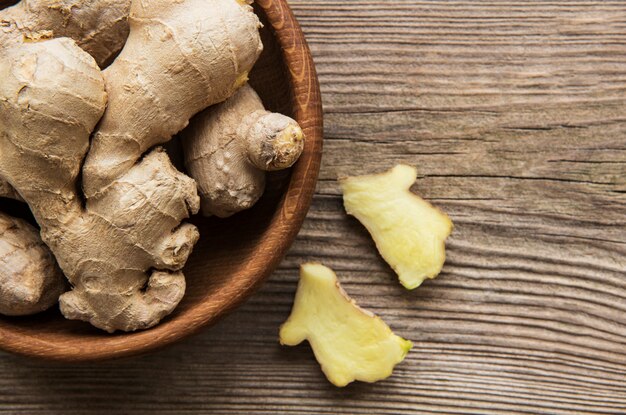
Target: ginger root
7,191
349,342
107,248
30,280
99,27
123,245
229,147
409,232
180,58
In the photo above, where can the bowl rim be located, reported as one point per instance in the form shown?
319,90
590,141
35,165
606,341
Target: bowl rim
284,225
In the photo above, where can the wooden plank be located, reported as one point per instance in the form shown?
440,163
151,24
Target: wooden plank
514,114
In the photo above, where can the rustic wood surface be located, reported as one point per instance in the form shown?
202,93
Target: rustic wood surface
515,115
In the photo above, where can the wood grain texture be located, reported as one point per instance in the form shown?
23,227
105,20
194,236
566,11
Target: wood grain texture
515,115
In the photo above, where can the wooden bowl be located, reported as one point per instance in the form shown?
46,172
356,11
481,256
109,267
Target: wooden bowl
234,255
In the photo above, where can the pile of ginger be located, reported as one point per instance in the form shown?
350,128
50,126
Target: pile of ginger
89,91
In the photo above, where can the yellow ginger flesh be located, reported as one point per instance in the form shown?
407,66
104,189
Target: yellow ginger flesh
409,232
349,343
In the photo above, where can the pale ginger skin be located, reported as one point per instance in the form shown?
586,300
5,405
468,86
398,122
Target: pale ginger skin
409,232
200,53
6,190
349,343
124,249
108,248
30,280
229,147
140,217
99,27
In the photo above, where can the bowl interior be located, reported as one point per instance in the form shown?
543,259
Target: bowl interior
233,255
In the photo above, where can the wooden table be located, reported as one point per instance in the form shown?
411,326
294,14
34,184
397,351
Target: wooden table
514,112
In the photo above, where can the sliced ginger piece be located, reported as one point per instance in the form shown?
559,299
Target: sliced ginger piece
349,343
409,232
